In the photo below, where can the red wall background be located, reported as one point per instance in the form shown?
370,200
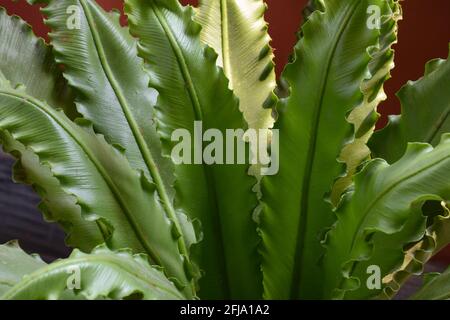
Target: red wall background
424,34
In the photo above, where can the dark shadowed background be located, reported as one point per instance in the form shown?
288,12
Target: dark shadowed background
424,34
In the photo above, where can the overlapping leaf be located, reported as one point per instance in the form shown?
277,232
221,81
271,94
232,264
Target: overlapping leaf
125,198
382,216
425,113
102,65
425,116
331,66
192,88
364,116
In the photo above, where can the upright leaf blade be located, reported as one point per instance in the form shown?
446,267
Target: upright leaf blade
236,30
364,116
102,65
191,88
313,131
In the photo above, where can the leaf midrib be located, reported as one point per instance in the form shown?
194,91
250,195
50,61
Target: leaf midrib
301,234
90,259
199,116
225,41
145,152
103,172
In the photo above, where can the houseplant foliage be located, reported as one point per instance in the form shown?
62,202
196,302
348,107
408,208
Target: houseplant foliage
90,117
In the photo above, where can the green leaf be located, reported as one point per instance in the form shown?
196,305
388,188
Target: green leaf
435,288
101,64
108,191
56,204
14,264
364,116
425,113
102,274
437,237
382,216
313,130
192,88
236,30
310,7
116,98
27,60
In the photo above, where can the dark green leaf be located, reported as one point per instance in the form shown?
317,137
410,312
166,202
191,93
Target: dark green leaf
327,79
191,88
